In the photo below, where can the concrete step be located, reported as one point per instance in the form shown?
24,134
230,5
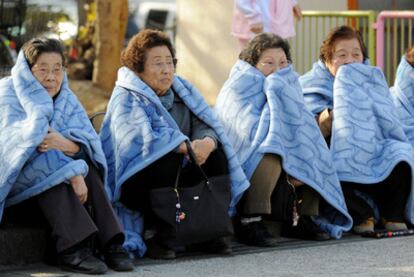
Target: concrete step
21,245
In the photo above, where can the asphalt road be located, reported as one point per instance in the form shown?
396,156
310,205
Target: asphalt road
351,256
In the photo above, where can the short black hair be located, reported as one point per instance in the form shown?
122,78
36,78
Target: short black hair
262,42
37,46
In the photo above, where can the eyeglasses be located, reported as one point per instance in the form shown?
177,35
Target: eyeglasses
272,65
170,64
43,71
342,55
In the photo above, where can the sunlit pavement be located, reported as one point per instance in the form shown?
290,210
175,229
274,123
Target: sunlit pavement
352,256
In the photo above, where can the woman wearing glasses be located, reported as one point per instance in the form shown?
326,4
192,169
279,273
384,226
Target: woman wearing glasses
52,162
152,112
279,145
354,109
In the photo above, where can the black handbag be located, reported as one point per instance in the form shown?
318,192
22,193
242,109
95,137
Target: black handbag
197,213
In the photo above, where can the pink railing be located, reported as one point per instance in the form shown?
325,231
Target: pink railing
394,35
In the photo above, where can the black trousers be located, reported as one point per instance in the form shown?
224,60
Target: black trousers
390,196
135,192
70,221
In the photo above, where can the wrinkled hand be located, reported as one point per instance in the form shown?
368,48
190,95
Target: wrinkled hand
182,149
295,182
297,12
202,149
54,140
325,122
80,188
256,28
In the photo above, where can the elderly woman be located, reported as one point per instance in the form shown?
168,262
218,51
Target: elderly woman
151,114
403,92
279,144
354,109
52,158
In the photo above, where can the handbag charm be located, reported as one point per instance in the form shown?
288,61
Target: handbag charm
295,211
179,215
295,214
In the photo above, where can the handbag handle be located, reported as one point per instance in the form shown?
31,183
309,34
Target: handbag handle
191,154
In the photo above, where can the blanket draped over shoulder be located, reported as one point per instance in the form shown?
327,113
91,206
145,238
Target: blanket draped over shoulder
317,87
138,130
403,95
27,113
368,138
267,115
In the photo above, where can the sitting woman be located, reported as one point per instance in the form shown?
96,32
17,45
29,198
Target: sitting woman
150,115
52,161
403,92
353,107
279,144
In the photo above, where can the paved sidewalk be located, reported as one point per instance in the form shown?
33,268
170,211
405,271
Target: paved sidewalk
352,256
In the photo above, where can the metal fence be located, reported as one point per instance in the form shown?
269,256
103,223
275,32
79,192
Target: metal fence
394,36
315,25
12,13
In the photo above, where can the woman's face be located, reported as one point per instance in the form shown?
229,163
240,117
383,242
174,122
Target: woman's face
49,71
158,69
271,60
345,51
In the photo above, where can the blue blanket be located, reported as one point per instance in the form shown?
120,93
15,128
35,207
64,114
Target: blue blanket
27,113
317,87
138,130
267,115
403,95
368,139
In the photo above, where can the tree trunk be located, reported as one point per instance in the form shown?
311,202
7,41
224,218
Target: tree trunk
111,22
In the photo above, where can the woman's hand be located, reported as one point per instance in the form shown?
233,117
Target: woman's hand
80,188
297,12
182,149
256,28
202,149
325,122
54,140
295,182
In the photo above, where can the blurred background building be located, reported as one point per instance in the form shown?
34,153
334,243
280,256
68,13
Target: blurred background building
201,31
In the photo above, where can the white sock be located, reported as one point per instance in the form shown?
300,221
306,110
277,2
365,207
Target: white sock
247,220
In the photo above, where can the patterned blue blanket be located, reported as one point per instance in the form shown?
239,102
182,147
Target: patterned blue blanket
27,113
138,130
267,115
317,87
403,95
368,139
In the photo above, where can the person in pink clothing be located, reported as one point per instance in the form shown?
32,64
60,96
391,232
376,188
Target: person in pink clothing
251,17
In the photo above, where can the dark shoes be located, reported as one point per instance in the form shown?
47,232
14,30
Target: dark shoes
254,234
155,250
221,246
306,229
117,258
81,261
